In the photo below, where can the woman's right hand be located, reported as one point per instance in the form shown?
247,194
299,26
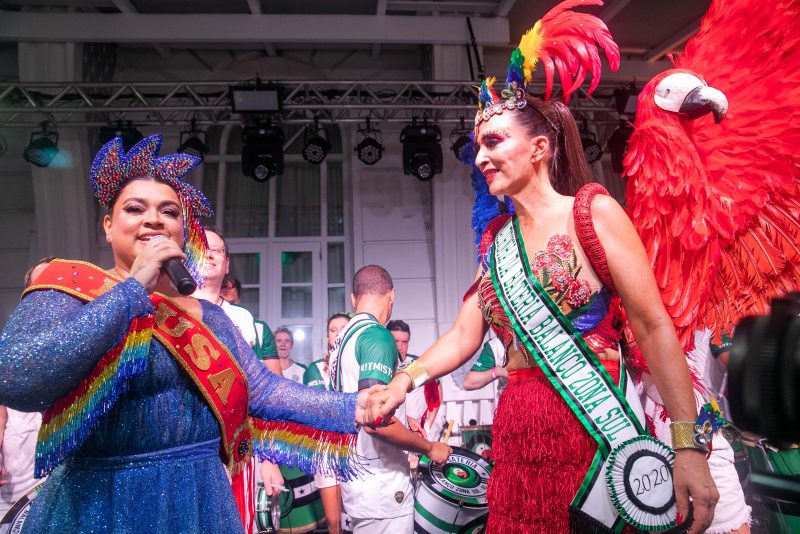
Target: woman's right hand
382,404
146,267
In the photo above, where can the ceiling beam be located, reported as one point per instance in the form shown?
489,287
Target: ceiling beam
448,6
255,9
380,10
126,6
676,39
243,28
503,8
611,9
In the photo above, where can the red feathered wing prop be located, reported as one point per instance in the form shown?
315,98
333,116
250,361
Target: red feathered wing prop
717,205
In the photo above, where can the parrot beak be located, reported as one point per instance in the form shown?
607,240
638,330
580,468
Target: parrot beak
703,99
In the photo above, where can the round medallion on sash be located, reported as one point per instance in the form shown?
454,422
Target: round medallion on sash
452,497
639,479
15,517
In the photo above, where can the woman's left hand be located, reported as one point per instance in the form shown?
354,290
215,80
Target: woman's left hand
692,478
362,404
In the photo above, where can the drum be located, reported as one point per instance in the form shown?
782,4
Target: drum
478,439
300,508
452,497
15,517
268,511
782,515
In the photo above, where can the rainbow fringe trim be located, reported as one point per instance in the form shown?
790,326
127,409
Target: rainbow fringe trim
309,449
69,421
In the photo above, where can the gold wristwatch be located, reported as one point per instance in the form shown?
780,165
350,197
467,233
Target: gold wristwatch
416,372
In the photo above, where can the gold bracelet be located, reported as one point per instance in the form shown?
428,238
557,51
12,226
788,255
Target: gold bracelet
416,372
685,436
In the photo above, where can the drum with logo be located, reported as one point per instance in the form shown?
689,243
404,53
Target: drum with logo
478,439
12,522
452,497
300,507
783,515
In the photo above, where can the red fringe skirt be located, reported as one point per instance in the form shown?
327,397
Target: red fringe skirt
542,454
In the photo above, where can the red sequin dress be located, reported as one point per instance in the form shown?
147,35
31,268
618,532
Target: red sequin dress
541,450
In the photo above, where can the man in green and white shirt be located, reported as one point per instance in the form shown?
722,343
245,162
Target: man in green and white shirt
485,370
284,341
365,354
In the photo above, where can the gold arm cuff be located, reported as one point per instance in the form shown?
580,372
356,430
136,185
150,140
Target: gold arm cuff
684,436
416,372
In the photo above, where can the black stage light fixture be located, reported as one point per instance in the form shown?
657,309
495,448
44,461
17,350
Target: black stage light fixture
130,135
625,101
422,151
42,147
591,148
255,98
316,147
618,145
459,138
369,150
262,151
193,141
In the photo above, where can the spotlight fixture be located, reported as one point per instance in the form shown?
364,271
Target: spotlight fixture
625,100
130,135
618,145
193,141
255,97
591,148
459,138
316,147
422,153
369,149
42,147
262,151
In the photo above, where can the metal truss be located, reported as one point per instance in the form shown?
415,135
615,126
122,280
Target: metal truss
86,104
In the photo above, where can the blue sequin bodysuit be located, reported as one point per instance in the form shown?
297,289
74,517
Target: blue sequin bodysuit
152,465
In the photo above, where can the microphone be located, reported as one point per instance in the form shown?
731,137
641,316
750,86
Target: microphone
180,276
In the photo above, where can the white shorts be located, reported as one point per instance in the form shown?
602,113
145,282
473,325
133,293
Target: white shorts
393,525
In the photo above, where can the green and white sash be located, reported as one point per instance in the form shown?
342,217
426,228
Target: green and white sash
610,412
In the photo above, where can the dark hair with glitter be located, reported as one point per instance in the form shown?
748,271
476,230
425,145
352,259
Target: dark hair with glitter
373,280
143,178
396,325
568,168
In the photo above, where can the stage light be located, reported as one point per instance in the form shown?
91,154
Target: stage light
459,138
42,147
625,101
422,153
130,135
255,98
262,152
369,150
618,145
591,148
316,147
193,142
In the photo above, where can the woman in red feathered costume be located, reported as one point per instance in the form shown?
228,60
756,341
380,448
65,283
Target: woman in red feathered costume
586,256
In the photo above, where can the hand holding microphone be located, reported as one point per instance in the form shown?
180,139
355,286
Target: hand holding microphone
162,255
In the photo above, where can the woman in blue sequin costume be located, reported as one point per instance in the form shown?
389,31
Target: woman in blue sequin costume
151,464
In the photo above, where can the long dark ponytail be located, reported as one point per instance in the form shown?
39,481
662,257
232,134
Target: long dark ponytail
568,168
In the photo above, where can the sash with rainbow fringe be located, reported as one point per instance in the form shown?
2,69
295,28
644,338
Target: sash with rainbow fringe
70,420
